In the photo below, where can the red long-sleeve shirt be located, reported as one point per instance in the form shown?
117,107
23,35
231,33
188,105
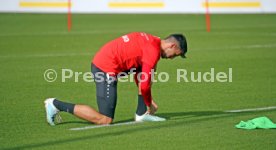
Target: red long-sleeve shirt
134,50
145,83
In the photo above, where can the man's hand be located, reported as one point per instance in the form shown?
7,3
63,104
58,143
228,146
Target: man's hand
153,108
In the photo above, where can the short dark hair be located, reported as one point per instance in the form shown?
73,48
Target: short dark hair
181,39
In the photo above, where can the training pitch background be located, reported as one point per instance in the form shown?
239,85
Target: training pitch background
33,43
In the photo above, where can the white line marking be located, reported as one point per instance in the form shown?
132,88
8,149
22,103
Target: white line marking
101,126
272,45
88,54
252,109
45,55
135,122
89,32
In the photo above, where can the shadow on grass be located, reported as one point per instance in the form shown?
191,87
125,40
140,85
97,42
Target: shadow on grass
75,122
176,118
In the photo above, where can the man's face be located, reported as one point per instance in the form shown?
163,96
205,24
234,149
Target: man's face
171,52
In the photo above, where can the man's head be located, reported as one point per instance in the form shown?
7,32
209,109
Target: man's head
173,45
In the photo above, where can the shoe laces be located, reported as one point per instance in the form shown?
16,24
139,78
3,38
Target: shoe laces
58,118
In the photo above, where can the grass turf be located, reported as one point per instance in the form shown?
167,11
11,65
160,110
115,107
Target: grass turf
33,43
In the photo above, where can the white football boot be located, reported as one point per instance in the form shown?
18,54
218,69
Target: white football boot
148,117
51,111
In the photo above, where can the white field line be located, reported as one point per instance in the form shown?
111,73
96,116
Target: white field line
95,32
101,126
91,32
56,33
239,47
242,34
87,54
251,109
65,33
135,122
45,55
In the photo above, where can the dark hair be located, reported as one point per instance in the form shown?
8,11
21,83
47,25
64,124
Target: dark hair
180,38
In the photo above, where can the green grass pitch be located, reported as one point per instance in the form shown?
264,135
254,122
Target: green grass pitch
33,43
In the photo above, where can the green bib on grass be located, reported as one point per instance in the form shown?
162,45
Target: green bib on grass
261,123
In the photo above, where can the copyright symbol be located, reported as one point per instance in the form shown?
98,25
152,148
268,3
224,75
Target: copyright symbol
50,75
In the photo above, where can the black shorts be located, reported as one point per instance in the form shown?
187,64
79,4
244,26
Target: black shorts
106,87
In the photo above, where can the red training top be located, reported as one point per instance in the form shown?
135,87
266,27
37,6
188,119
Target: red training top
135,50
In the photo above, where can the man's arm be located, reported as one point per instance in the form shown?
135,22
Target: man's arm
144,87
138,83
